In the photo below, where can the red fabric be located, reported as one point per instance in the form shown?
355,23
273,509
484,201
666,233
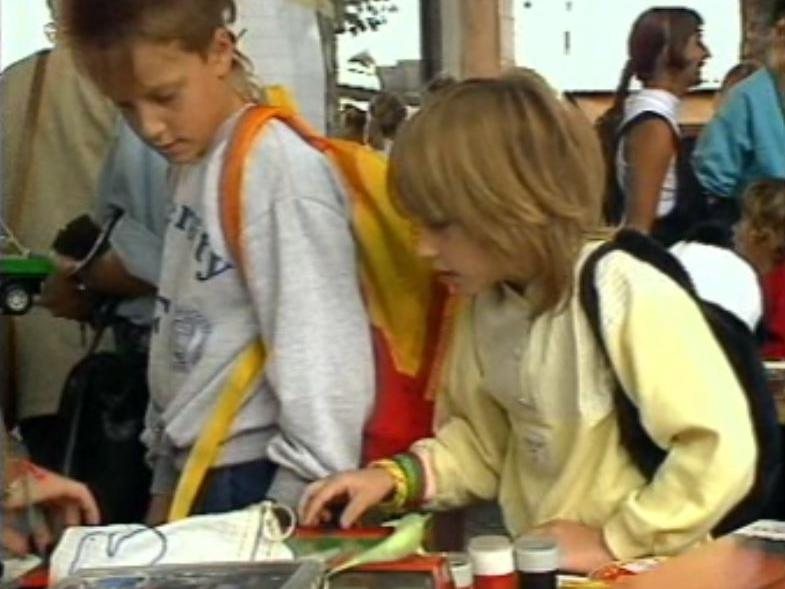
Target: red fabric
509,581
774,297
403,412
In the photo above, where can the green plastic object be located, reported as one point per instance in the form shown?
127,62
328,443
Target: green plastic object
407,539
25,266
21,274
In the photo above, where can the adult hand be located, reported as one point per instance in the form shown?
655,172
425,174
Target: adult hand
63,294
582,548
158,510
359,489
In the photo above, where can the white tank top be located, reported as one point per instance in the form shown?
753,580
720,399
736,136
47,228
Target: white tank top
667,105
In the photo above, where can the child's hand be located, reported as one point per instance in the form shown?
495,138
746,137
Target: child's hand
70,498
65,501
361,488
582,548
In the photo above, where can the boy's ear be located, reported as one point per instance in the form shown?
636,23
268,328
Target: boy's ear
222,52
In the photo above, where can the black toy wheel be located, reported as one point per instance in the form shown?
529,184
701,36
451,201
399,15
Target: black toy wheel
16,299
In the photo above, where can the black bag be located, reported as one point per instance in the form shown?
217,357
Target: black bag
105,396
740,347
103,406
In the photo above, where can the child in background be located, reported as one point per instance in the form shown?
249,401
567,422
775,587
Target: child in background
509,207
386,113
172,68
760,237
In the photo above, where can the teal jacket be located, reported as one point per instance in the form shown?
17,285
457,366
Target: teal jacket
745,140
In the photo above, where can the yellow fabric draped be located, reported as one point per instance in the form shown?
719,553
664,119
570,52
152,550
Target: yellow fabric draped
398,284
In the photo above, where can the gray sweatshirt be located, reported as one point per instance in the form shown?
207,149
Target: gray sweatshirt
300,292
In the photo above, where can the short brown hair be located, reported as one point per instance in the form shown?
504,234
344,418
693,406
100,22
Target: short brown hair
763,207
105,25
388,111
519,170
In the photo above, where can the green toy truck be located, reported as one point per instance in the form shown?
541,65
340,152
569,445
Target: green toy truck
21,274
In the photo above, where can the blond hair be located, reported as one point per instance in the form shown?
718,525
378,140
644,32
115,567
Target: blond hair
515,167
109,26
763,207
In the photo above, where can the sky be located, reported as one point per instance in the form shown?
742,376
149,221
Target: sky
397,39
21,28
597,36
597,31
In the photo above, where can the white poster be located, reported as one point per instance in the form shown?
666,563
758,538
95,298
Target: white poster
282,40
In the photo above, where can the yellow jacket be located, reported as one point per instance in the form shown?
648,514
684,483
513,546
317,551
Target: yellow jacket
528,416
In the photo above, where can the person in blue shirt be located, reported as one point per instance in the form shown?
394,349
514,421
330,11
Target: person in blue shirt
133,181
119,287
745,140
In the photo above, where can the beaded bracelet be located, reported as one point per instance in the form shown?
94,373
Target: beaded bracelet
409,477
399,498
415,476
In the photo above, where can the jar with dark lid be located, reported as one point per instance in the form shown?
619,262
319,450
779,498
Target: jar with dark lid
537,562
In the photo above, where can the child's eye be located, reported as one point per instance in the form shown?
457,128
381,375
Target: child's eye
166,98
437,225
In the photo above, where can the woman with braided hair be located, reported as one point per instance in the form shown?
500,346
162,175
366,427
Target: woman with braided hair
641,131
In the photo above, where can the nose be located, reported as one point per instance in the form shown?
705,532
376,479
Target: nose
426,247
149,124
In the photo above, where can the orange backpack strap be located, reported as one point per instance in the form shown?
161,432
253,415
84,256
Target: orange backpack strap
233,175
247,131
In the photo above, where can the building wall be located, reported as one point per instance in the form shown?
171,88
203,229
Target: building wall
697,108
477,36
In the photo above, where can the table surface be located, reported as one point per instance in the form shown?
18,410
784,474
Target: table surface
729,563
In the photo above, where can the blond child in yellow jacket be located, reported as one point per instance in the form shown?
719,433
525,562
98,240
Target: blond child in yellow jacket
506,183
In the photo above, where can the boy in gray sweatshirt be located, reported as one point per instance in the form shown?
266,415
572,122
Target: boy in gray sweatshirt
171,66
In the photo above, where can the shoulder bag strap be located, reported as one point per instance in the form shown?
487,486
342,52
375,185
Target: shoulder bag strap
21,186
250,364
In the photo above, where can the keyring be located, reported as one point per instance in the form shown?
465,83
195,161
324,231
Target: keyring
271,522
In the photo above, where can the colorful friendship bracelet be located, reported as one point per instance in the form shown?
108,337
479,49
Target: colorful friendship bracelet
398,500
415,477
409,477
